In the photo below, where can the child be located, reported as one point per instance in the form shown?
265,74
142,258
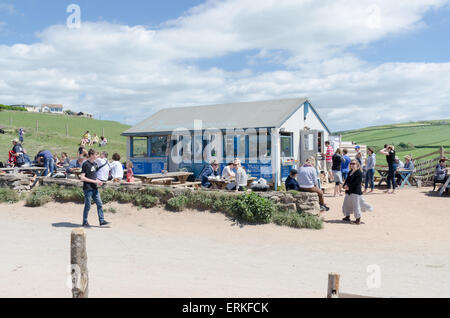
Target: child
116,168
130,177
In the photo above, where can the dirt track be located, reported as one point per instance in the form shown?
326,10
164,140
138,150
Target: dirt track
155,253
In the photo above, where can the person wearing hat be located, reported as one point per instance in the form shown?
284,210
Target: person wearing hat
210,170
291,181
18,153
241,176
389,152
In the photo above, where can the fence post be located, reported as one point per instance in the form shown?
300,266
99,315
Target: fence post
78,261
67,130
333,285
442,152
103,131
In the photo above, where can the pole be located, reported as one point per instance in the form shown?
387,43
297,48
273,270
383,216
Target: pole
67,129
333,285
442,152
78,261
103,132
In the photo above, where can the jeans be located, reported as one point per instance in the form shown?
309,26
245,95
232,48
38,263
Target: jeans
370,173
95,195
49,165
345,175
391,177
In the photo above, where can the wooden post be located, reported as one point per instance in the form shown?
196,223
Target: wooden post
67,130
78,261
442,152
103,132
333,285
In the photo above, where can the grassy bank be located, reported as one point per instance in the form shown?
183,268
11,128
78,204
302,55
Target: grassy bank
51,132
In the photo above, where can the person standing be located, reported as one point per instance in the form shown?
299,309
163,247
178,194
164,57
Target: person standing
354,201
21,131
370,169
345,168
90,188
359,155
336,170
389,152
329,160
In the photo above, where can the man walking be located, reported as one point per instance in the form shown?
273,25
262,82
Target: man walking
90,188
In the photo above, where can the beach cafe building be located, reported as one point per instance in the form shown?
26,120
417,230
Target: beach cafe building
269,137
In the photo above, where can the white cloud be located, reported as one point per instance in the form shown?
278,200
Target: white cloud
7,8
129,72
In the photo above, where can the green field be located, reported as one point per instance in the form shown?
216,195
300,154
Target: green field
51,134
414,139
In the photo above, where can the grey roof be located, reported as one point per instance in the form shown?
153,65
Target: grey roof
265,114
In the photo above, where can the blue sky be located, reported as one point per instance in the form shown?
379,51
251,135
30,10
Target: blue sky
241,52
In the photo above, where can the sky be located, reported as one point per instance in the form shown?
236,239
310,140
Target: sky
360,63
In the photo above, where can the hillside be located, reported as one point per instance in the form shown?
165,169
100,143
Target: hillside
51,134
414,139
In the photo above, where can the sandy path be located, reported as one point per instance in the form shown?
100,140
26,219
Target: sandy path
155,253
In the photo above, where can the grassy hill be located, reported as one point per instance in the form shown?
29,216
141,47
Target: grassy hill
416,139
51,134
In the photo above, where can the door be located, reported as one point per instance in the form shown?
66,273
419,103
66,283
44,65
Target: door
309,145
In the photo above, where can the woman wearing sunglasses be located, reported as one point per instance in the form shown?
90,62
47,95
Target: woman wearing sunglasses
354,201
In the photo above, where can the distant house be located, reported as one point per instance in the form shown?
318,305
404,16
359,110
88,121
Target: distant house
52,108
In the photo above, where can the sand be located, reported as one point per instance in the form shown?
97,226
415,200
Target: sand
156,253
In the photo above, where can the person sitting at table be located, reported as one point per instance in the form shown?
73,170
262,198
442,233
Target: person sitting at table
76,163
241,176
65,161
211,170
228,172
291,182
407,166
441,175
308,181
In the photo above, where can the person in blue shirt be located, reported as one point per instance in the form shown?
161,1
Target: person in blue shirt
345,167
291,181
45,158
211,170
76,163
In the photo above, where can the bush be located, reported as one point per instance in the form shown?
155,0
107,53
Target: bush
297,220
69,195
178,204
124,197
253,209
42,195
8,196
108,195
146,201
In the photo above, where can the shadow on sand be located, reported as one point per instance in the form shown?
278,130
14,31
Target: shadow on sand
73,226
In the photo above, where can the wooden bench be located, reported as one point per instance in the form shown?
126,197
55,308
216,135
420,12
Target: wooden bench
164,181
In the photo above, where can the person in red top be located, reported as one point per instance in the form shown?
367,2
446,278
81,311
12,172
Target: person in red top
329,160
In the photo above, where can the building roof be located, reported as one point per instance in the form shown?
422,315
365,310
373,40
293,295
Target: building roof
262,114
53,105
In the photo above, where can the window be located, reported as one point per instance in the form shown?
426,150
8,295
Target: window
139,148
286,145
158,146
240,147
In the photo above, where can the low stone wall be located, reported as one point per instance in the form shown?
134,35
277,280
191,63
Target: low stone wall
17,182
294,201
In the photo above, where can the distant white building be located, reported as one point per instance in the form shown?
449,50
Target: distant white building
52,108
30,108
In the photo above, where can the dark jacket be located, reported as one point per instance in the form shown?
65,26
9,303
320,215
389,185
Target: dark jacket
208,172
292,184
354,183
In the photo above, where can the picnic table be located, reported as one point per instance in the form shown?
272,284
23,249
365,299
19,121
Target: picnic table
24,169
148,178
403,173
223,183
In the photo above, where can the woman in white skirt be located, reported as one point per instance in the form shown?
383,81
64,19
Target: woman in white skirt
354,201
